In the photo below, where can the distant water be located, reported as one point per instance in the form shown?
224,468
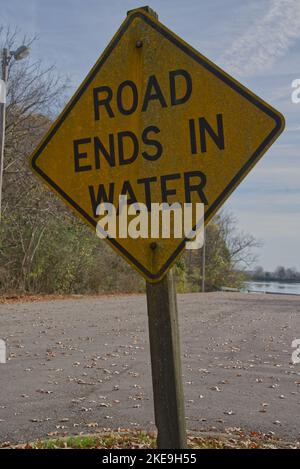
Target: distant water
273,287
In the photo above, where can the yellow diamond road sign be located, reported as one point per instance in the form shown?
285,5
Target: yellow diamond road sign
156,121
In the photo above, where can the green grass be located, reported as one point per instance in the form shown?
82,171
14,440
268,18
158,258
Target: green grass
142,440
106,441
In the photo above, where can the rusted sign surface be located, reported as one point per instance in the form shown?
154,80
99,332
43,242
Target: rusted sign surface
156,121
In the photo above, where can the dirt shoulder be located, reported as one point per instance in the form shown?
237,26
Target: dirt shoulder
125,439
14,298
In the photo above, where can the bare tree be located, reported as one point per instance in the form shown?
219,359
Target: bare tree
43,248
228,252
34,94
241,246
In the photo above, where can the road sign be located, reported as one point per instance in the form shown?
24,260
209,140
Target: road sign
156,121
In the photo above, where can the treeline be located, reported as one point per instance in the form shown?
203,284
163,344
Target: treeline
44,248
280,274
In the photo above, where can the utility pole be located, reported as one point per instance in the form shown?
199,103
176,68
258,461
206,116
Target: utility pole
6,56
3,82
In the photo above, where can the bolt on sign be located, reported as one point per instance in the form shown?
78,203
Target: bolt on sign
158,122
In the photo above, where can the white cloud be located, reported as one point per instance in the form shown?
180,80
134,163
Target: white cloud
267,40
271,225
293,128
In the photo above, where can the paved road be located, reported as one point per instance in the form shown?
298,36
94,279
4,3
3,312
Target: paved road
78,363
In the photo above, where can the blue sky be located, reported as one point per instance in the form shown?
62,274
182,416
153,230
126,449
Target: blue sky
257,41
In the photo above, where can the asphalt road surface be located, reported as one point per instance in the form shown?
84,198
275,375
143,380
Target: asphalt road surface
83,364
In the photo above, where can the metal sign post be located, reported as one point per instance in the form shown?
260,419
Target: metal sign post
3,82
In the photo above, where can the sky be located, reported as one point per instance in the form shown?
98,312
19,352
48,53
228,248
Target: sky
256,41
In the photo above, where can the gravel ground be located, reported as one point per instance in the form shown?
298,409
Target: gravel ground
82,364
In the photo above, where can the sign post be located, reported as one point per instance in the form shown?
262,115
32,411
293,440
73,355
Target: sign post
164,341
203,263
166,363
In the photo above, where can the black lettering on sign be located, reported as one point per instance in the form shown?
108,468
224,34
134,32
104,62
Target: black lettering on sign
152,142
153,95
128,191
218,137
165,192
135,147
109,155
101,196
204,129
78,156
102,101
173,77
195,187
193,141
147,189
127,84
